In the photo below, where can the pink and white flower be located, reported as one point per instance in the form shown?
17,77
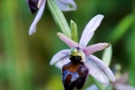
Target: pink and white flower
99,70
65,5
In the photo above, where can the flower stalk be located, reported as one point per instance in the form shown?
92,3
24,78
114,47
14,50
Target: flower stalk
59,17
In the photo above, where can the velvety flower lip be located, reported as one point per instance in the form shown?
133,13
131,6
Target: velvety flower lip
98,69
65,5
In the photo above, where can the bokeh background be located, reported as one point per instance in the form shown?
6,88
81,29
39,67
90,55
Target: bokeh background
24,59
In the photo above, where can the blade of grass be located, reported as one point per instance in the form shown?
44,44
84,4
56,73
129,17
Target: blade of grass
131,50
121,28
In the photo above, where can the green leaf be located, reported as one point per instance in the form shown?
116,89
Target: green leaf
74,31
107,55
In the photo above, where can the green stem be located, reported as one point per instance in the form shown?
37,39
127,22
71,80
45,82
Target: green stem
59,17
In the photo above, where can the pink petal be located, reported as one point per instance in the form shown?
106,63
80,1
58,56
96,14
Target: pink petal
122,79
37,18
67,40
96,72
66,5
94,48
123,87
61,55
90,29
102,68
62,62
40,3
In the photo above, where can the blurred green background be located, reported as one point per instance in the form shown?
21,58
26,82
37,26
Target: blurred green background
24,59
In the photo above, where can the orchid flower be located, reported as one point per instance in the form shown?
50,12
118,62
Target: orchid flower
119,84
97,68
65,5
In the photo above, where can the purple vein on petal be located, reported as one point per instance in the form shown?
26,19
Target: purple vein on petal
90,29
67,40
95,47
37,18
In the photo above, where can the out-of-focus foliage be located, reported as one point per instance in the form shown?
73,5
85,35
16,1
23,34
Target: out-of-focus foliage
24,59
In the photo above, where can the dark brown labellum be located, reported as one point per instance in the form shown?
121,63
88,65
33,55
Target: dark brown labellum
74,79
33,5
75,59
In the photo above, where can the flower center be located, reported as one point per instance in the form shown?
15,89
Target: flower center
75,59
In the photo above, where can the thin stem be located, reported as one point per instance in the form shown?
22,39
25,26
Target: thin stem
59,17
